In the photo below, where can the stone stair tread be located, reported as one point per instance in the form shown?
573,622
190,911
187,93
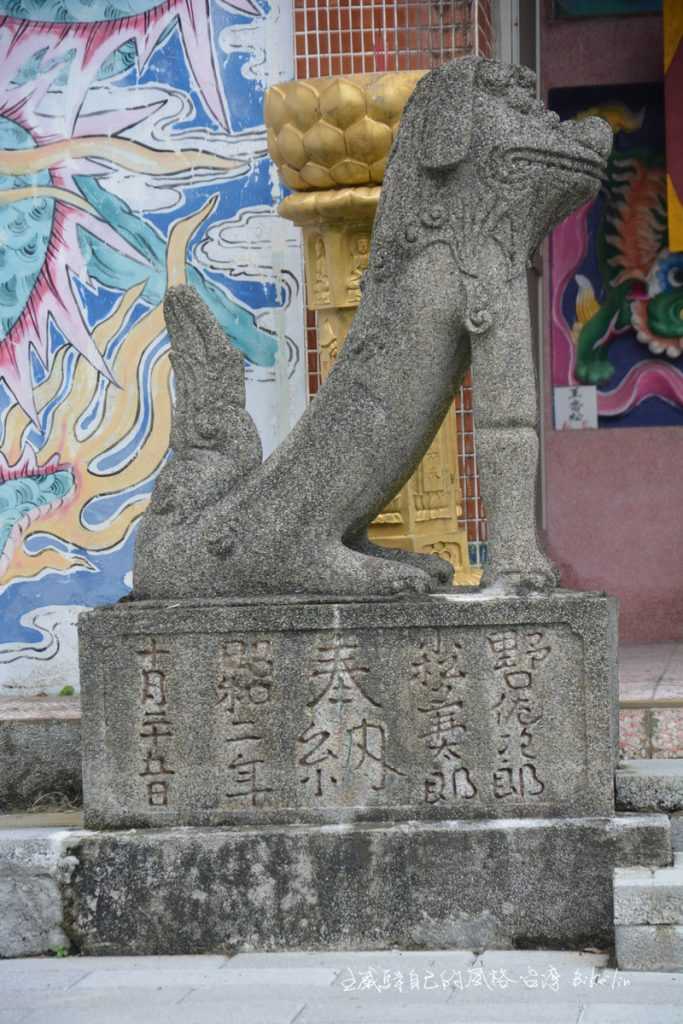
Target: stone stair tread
646,896
644,947
650,876
21,709
665,766
41,819
650,785
40,753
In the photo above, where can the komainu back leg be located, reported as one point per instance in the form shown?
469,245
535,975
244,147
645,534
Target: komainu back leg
440,571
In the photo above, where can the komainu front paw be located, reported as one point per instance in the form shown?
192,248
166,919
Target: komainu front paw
413,584
439,569
541,580
343,571
539,575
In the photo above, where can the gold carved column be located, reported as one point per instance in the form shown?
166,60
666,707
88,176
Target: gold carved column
330,139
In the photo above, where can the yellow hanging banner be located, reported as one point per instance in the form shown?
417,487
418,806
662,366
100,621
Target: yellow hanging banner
673,98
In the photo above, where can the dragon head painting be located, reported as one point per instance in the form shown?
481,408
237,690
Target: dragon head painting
618,306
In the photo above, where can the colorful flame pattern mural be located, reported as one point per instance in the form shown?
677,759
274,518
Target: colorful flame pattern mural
617,289
132,156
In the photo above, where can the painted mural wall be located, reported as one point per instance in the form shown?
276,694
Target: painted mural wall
132,155
612,495
617,288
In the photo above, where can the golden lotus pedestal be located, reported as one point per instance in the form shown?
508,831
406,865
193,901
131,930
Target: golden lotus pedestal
330,139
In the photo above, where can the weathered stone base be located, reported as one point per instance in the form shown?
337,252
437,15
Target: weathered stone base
210,713
650,785
34,875
40,753
502,884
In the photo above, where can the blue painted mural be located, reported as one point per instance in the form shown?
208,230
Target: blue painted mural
132,155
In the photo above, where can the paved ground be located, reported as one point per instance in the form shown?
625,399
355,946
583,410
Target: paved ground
651,697
337,988
651,671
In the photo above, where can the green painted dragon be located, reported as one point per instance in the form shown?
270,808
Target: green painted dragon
642,279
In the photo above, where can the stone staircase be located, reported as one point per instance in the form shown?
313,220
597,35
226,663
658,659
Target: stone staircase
648,901
648,917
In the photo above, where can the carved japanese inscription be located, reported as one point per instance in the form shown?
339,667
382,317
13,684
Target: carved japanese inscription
325,722
156,728
438,685
243,689
517,712
345,742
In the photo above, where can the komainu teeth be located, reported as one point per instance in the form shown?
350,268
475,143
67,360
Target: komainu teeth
673,351
655,347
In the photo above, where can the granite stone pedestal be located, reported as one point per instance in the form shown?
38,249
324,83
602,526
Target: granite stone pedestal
272,712
356,774
506,884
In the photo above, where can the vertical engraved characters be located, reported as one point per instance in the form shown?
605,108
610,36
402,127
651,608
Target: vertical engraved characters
243,691
438,690
156,727
517,712
345,742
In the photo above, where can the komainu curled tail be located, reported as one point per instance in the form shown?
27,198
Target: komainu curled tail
214,442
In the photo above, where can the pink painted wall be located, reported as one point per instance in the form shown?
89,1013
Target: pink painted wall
613,497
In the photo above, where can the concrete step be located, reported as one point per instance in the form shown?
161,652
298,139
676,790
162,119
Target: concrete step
40,753
33,869
655,785
129,891
648,917
650,785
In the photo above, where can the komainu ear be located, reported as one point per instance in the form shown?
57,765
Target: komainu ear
445,109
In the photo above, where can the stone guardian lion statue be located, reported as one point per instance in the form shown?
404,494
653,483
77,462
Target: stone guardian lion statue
479,174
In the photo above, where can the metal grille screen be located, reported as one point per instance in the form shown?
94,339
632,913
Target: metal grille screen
344,36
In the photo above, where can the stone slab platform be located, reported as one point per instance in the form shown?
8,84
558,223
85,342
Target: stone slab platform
649,895
648,914
650,785
649,947
496,884
33,865
459,706
40,752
